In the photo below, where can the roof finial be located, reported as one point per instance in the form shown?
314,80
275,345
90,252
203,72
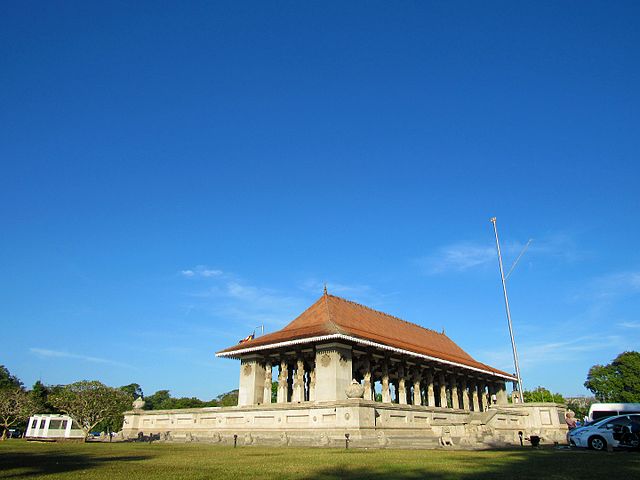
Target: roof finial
325,288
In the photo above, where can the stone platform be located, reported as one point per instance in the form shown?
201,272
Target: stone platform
369,424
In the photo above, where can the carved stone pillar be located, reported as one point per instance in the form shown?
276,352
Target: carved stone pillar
386,392
283,386
417,394
474,396
465,394
402,388
484,398
431,396
443,390
266,396
251,385
455,400
298,382
368,390
312,385
501,394
333,371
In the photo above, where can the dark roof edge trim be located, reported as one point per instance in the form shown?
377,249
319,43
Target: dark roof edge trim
340,336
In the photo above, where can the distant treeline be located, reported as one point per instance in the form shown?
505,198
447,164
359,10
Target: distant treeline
160,400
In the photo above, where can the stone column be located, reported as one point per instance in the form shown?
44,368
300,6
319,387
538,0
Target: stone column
290,370
266,396
474,397
455,400
465,394
484,398
501,394
386,392
298,382
333,371
417,395
312,385
251,385
368,390
431,397
443,391
283,386
368,387
402,388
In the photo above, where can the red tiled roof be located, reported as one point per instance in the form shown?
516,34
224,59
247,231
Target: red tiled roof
332,315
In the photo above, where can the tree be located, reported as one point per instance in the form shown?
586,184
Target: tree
90,402
162,400
7,380
40,395
133,389
542,394
158,401
580,406
15,405
114,422
229,399
619,381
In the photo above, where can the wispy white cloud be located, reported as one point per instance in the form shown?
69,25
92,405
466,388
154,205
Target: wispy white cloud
458,257
258,305
201,271
600,292
463,256
564,349
46,353
538,353
629,324
358,292
559,246
237,301
261,297
617,284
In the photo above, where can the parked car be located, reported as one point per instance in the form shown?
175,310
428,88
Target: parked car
618,431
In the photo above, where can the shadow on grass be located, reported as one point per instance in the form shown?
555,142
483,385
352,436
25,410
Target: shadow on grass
38,464
517,464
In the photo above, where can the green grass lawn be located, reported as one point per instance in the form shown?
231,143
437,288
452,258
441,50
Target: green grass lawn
20,459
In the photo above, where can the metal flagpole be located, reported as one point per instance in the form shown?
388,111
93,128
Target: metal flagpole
506,304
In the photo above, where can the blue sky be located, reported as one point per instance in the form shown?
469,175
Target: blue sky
175,174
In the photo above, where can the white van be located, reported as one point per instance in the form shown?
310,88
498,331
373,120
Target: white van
598,411
51,426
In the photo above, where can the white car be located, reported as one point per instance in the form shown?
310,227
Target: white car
618,431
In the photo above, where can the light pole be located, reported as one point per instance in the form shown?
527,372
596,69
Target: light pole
506,305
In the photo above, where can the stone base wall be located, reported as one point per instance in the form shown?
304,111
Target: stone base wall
368,424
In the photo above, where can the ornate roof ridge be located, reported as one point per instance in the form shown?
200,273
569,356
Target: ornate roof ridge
325,297
386,314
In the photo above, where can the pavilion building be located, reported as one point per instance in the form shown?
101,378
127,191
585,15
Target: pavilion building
346,371
335,342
